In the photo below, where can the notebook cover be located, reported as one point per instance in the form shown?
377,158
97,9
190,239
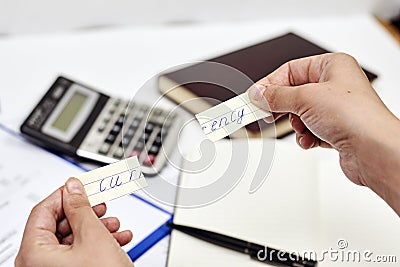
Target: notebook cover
255,61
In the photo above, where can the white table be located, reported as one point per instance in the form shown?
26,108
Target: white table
121,61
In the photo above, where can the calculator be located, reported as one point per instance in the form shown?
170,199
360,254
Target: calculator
79,121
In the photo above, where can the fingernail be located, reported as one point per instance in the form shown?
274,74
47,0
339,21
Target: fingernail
256,92
74,186
301,141
269,119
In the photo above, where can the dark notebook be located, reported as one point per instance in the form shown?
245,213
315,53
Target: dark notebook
198,87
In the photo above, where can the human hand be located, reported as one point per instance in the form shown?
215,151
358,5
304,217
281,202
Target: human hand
332,104
63,230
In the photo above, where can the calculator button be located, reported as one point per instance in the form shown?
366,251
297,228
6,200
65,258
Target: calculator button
57,92
144,137
157,118
107,117
117,102
149,160
118,153
110,139
149,127
139,146
157,141
48,104
131,132
125,141
157,112
104,148
135,123
154,149
135,153
163,132
115,129
101,127
120,120
112,110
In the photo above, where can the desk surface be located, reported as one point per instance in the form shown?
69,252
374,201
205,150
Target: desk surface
120,61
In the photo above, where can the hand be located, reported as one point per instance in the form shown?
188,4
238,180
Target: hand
63,230
332,105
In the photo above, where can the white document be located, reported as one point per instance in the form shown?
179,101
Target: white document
28,174
229,116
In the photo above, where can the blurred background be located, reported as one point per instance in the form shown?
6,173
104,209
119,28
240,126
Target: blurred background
40,16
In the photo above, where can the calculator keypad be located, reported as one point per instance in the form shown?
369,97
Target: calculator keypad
140,132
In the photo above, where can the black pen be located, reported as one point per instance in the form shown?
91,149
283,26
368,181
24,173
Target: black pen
256,252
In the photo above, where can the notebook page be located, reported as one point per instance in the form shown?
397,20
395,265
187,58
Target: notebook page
282,214
357,218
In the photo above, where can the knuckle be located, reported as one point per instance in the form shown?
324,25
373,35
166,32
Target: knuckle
344,57
78,202
37,209
301,96
269,94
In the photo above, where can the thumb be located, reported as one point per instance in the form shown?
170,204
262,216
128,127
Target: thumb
275,98
77,208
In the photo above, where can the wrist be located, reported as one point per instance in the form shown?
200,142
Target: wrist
379,160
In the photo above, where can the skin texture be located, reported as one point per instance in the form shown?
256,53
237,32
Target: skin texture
63,230
331,104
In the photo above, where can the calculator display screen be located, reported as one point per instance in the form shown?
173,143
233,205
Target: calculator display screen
69,112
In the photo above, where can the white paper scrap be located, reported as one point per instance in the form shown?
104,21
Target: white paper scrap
113,181
229,116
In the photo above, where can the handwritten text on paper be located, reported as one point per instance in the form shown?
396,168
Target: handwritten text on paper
113,181
229,116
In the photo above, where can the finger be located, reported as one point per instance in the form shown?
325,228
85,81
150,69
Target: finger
324,144
277,98
297,124
123,237
299,71
63,228
300,128
42,221
273,117
111,223
269,119
100,209
78,212
306,140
